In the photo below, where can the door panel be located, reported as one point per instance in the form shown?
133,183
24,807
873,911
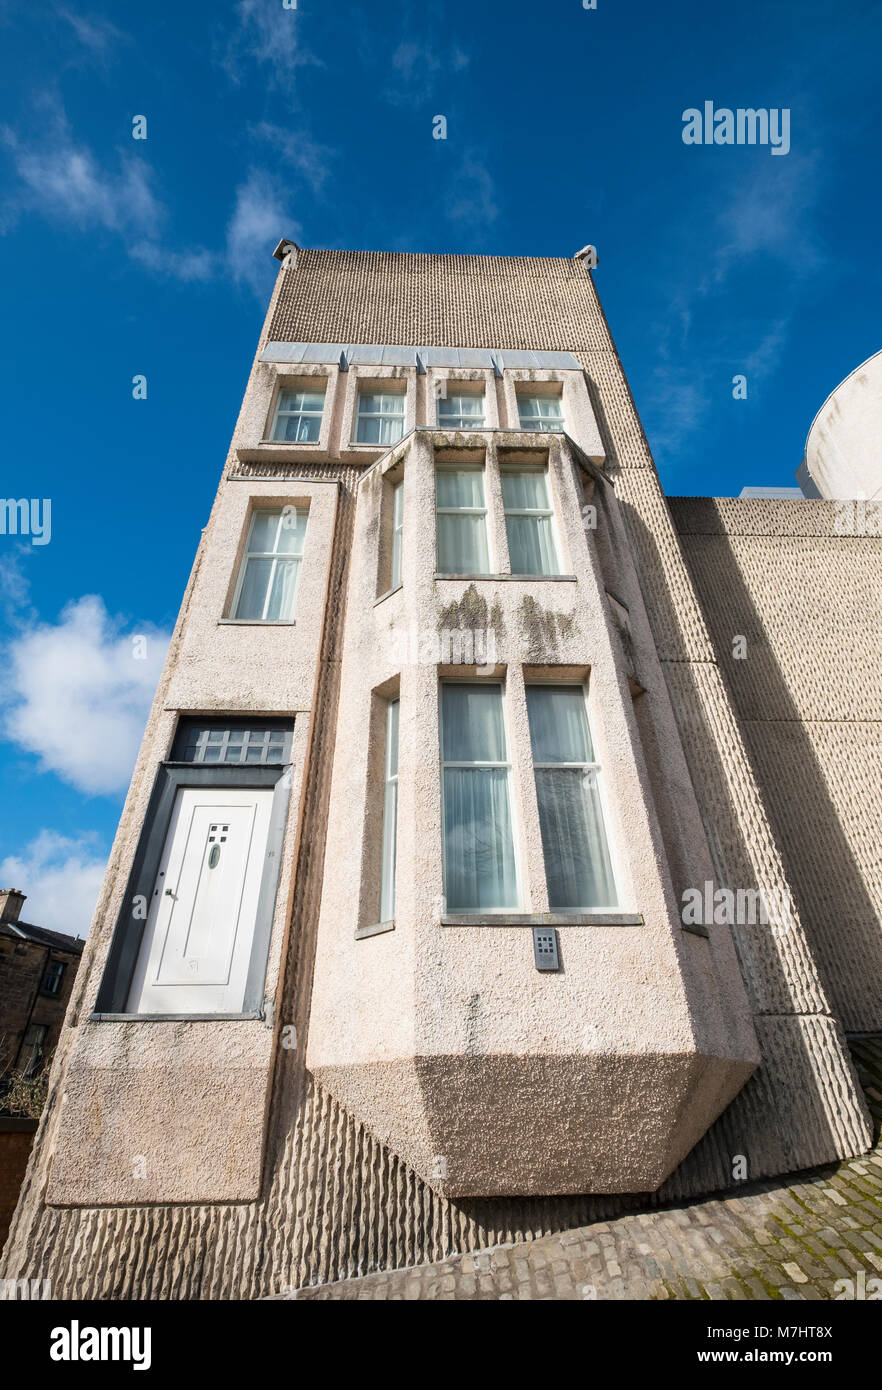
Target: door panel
196,949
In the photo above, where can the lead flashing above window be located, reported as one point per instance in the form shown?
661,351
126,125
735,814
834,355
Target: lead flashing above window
377,355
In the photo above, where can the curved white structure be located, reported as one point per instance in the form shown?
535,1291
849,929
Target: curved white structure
843,452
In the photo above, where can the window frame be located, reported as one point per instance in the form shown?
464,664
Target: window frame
540,427
397,539
549,512
481,469
390,780
380,415
516,837
55,965
279,413
274,555
597,768
465,422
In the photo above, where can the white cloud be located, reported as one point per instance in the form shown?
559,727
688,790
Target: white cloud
77,694
473,194
93,31
771,213
268,34
181,265
418,63
299,150
61,877
63,181
258,221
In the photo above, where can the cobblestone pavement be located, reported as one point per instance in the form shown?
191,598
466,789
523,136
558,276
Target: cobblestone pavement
781,1239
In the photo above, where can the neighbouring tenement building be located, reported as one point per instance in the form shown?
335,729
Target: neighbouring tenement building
37,969
503,846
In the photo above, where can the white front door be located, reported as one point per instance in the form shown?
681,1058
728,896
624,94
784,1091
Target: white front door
200,926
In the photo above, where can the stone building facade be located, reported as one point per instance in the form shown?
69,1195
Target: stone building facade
37,971
501,851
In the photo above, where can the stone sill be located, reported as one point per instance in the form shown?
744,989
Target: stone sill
543,919
255,1015
376,930
519,578
256,622
388,594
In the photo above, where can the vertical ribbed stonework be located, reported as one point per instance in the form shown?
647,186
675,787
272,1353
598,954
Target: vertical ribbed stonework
335,1202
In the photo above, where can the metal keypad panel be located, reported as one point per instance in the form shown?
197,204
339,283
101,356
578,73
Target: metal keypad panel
545,952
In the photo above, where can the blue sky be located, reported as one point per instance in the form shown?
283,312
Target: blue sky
153,257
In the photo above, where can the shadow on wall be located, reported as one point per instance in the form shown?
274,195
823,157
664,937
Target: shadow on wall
803,1106
840,918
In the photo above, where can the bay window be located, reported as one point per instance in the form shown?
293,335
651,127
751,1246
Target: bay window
479,858
578,866
267,583
528,521
461,512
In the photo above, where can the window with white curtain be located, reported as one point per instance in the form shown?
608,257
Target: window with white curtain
461,511
397,534
479,857
380,417
267,583
390,814
578,867
540,412
299,416
461,412
528,521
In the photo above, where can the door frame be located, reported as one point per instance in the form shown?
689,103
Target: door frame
128,934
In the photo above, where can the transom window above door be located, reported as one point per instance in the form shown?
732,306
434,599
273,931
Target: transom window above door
267,583
232,741
299,416
461,411
380,417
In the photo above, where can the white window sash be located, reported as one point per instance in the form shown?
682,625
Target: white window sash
397,534
390,815
482,511
292,558
299,414
531,418
594,768
540,513
503,765
391,411
459,419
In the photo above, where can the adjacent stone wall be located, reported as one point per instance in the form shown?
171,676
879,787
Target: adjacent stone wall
805,594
